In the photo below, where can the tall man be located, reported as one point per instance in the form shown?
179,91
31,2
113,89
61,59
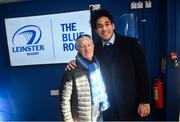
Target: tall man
124,70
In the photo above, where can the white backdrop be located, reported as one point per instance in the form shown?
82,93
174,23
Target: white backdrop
45,39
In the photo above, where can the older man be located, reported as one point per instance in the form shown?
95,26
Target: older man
83,93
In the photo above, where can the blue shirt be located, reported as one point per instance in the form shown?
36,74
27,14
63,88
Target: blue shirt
109,42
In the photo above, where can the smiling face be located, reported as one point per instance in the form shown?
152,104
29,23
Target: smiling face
104,28
85,47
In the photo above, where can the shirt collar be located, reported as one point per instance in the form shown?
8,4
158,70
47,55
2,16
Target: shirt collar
111,41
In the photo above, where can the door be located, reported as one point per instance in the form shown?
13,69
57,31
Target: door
173,74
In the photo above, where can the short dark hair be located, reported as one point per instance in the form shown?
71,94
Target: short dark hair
96,14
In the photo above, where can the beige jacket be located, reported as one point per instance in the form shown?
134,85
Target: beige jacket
76,95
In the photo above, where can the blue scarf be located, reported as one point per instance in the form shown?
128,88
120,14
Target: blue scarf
98,90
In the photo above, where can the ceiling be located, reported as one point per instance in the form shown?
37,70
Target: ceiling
10,1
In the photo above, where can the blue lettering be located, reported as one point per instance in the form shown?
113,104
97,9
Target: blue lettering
71,36
40,47
74,27
28,48
69,27
65,47
64,37
80,33
62,25
33,53
69,47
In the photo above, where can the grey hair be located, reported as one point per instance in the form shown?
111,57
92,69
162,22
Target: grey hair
82,37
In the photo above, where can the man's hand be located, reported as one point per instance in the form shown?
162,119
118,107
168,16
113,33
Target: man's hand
71,65
144,109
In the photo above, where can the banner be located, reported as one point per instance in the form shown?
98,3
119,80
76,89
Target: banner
45,39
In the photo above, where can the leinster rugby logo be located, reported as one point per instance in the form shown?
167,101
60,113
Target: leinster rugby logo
26,40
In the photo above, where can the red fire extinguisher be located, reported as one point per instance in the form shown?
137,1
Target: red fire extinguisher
158,93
